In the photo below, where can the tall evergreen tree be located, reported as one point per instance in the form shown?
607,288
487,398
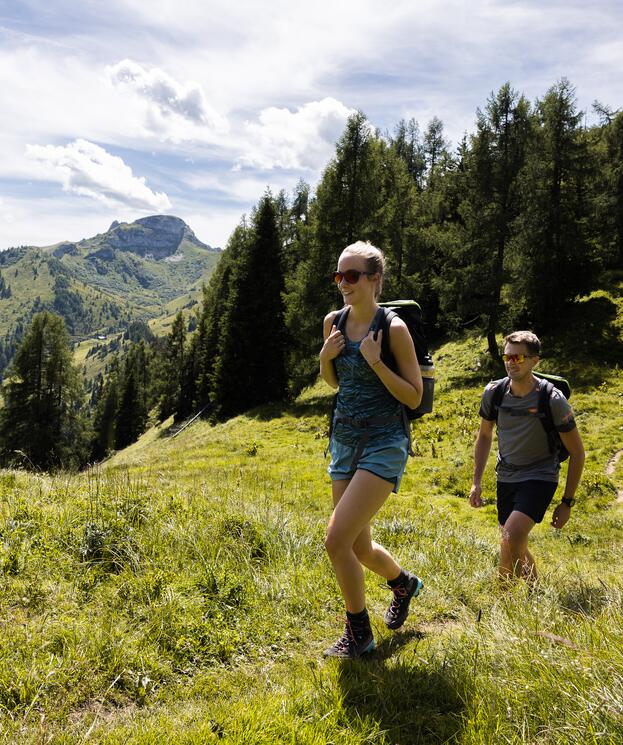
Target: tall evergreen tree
498,155
607,223
408,147
105,414
391,226
250,367
435,149
294,246
133,409
345,209
173,370
42,399
212,319
552,256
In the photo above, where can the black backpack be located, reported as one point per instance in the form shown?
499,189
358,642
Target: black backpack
411,313
544,409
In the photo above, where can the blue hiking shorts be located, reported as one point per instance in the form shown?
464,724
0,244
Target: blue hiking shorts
387,460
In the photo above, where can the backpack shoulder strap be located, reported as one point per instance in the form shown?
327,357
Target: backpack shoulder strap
545,410
498,394
339,320
382,322
547,420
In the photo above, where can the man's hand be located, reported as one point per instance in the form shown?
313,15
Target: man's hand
475,495
561,515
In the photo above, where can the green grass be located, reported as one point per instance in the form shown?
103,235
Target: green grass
180,592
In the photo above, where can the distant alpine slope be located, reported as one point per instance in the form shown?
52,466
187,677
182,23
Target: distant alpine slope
100,285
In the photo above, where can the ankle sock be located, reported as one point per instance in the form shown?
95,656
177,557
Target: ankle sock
399,581
359,620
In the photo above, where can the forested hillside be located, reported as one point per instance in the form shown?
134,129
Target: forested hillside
103,284
520,225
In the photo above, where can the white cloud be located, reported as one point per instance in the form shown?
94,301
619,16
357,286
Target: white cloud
87,169
226,84
301,139
173,105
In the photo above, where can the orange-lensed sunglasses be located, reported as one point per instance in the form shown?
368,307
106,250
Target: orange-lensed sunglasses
518,358
350,275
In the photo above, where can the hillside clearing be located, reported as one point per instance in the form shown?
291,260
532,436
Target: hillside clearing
180,592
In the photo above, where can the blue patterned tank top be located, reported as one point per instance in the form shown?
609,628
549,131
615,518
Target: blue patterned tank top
362,395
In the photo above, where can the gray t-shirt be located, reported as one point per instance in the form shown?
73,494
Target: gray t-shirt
523,450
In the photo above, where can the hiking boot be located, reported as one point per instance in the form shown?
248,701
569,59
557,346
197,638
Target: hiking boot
398,609
354,643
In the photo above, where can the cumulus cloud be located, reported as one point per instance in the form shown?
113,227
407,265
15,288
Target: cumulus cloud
304,138
172,104
87,169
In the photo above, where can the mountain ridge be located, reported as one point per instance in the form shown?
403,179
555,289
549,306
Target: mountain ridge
102,284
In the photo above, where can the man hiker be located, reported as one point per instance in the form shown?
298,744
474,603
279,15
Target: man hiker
528,461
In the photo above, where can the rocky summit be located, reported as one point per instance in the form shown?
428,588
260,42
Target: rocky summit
158,236
101,285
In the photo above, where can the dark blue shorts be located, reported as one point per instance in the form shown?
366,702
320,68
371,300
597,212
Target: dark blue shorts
532,498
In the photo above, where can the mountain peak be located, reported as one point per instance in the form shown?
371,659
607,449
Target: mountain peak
157,235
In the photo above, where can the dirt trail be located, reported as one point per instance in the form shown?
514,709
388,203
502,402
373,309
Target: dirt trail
611,467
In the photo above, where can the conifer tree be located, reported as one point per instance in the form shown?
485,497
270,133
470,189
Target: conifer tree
132,409
498,155
607,224
435,149
552,259
173,369
211,327
345,209
250,367
105,415
41,417
407,145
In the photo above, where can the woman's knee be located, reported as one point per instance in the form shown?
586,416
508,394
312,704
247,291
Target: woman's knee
335,543
363,550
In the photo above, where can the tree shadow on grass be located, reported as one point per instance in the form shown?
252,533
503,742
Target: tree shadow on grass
413,703
310,406
583,340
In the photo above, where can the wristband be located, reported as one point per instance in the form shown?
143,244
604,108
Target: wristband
376,363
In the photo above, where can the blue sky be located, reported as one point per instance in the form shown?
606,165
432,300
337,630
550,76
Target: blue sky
118,110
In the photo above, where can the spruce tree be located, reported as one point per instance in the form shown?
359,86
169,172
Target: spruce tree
105,415
407,145
173,369
132,410
41,418
607,192
250,367
211,327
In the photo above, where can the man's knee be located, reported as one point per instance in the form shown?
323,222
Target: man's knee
514,538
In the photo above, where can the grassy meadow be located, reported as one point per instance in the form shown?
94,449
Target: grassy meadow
180,592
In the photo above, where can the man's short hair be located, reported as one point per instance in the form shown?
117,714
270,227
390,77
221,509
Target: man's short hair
524,337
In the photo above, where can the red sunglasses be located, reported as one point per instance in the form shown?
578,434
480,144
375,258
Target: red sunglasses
350,275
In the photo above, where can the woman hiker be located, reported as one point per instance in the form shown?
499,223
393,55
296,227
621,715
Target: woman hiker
369,442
